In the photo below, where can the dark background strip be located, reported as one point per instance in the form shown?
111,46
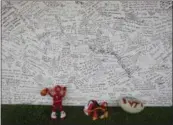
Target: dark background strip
40,115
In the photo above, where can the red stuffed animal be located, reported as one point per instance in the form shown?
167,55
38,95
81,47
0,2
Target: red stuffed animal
96,110
57,93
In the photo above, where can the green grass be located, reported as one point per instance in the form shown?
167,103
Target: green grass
40,115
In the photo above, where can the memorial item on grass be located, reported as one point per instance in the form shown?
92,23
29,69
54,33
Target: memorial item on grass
96,110
131,104
57,93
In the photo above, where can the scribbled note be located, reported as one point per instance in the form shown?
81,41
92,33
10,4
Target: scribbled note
99,50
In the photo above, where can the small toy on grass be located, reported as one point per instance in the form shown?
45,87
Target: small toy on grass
57,93
96,110
131,104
